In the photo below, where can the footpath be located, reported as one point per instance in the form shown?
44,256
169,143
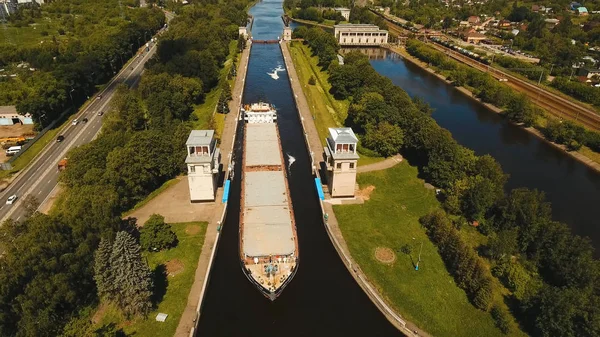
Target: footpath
191,314
331,224
382,165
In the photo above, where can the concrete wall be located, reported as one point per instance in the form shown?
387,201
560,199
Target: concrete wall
202,186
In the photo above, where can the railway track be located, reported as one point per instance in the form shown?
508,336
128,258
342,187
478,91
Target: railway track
552,103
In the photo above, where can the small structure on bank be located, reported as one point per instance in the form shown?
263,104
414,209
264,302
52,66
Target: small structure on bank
287,34
243,31
344,12
203,159
341,162
360,35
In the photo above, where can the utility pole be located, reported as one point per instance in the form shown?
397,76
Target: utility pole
419,260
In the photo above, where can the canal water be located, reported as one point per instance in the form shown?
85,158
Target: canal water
572,187
323,299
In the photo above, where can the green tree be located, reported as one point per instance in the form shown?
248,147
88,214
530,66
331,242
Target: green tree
502,319
103,274
386,139
156,234
132,278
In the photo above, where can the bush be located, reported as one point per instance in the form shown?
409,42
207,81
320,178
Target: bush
502,319
312,80
156,234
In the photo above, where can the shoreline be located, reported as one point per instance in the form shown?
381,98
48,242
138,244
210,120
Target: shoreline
588,162
312,142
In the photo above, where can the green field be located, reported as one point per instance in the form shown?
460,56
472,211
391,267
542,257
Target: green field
174,299
428,297
30,35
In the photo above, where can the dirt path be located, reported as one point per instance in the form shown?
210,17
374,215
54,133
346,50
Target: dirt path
382,165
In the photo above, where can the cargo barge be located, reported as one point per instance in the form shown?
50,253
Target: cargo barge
268,241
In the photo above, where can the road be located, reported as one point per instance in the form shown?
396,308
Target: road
41,176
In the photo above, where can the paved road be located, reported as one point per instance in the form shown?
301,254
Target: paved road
41,176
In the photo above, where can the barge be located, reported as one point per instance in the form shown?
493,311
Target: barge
268,241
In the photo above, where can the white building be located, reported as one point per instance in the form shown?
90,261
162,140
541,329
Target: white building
287,34
341,162
203,159
344,11
243,32
360,35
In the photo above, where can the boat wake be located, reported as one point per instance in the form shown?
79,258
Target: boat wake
275,71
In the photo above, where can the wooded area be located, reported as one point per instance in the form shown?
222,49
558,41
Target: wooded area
46,272
551,273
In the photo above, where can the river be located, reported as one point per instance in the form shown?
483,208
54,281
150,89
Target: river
571,187
323,299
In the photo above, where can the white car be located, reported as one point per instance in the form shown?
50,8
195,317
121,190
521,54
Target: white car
75,122
11,199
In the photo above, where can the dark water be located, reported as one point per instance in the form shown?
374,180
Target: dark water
323,299
573,189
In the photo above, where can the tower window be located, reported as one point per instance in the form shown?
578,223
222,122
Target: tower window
339,165
351,165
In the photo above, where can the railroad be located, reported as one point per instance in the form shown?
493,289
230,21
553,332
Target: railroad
552,103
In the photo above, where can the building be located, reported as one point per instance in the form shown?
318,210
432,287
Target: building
504,24
9,116
242,31
470,35
574,5
287,34
341,161
473,20
345,12
551,23
360,35
538,8
588,73
581,11
203,160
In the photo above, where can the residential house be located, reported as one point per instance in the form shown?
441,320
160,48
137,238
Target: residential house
574,5
345,12
504,24
473,20
551,23
470,35
538,8
581,11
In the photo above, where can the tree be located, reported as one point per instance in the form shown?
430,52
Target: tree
156,234
386,139
103,274
132,278
502,319
503,244
31,205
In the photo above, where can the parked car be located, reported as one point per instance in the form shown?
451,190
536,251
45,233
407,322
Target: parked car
11,199
85,120
60,138
100,113
75,122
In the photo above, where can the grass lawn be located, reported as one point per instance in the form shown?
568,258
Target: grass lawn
428,297
30,35
327,111
173,291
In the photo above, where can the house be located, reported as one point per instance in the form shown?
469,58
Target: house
581,11
574,5
473,20
345,12
504,24
588,73
470,35
463,24
551,23
538,8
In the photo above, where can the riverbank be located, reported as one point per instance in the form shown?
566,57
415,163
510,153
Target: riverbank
314,143
587,161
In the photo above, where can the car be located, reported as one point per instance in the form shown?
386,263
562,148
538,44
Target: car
85,120
75,122
99,97
100,113
503,79
11,199
60,138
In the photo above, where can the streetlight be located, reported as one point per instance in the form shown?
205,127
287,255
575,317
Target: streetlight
71,96
40,120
